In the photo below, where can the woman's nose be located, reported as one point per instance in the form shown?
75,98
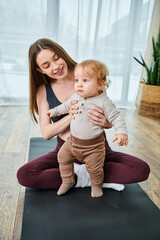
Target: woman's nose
54,65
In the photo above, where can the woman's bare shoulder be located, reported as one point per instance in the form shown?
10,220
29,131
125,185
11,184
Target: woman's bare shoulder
41,89
41,98
41,92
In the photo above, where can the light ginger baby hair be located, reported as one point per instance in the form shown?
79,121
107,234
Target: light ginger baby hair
93,67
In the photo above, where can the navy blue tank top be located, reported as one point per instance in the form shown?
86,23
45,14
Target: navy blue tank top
53,101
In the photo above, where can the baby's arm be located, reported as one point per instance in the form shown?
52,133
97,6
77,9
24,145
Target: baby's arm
121,139
114,117
61,109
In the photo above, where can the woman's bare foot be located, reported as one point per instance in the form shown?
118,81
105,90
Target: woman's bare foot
96,191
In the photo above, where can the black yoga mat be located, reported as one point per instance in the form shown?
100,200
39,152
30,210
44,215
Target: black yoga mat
127,215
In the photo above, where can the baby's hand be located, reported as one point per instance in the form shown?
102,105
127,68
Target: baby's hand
121,139
49,114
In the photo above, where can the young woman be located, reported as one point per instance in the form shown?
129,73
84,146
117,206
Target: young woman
52,83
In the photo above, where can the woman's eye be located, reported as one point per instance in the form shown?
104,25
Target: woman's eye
56,57
47,66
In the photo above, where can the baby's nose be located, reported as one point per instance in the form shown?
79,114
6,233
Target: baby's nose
80,83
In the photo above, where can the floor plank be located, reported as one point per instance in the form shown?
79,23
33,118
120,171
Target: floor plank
2,109
34,131
19,134
19,215
14,129
9,192
6,123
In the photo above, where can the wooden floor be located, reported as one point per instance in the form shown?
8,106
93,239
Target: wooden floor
16,129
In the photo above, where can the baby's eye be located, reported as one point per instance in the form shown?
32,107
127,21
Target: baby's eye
76,80
85,80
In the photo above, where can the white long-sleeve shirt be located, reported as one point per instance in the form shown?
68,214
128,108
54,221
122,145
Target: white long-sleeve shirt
81,127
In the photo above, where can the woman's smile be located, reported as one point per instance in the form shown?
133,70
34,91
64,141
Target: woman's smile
59,72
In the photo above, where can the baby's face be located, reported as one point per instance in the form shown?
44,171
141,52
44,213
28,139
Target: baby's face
85,85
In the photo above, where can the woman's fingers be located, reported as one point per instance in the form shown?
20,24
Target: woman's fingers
73,109
98,110
74,102
98,118
96,115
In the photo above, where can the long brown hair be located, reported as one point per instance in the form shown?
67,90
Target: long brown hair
36,78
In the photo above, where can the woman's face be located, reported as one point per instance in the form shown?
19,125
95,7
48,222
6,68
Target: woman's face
51,64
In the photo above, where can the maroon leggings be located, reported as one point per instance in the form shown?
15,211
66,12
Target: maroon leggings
43,172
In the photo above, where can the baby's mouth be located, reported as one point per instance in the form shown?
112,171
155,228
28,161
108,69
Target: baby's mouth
80,90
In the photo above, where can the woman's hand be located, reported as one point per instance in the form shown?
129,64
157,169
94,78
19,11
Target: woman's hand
96,115
73,109
98,118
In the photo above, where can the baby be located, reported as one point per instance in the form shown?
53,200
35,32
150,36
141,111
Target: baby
87,142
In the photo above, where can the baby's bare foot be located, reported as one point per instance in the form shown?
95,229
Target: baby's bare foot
97,191
65,187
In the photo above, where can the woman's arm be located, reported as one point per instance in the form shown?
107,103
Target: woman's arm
48,129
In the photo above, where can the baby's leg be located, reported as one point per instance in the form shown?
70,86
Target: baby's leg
96,191
94,165
66,159
65,187
92,152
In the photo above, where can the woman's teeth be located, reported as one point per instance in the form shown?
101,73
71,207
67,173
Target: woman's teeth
59,71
